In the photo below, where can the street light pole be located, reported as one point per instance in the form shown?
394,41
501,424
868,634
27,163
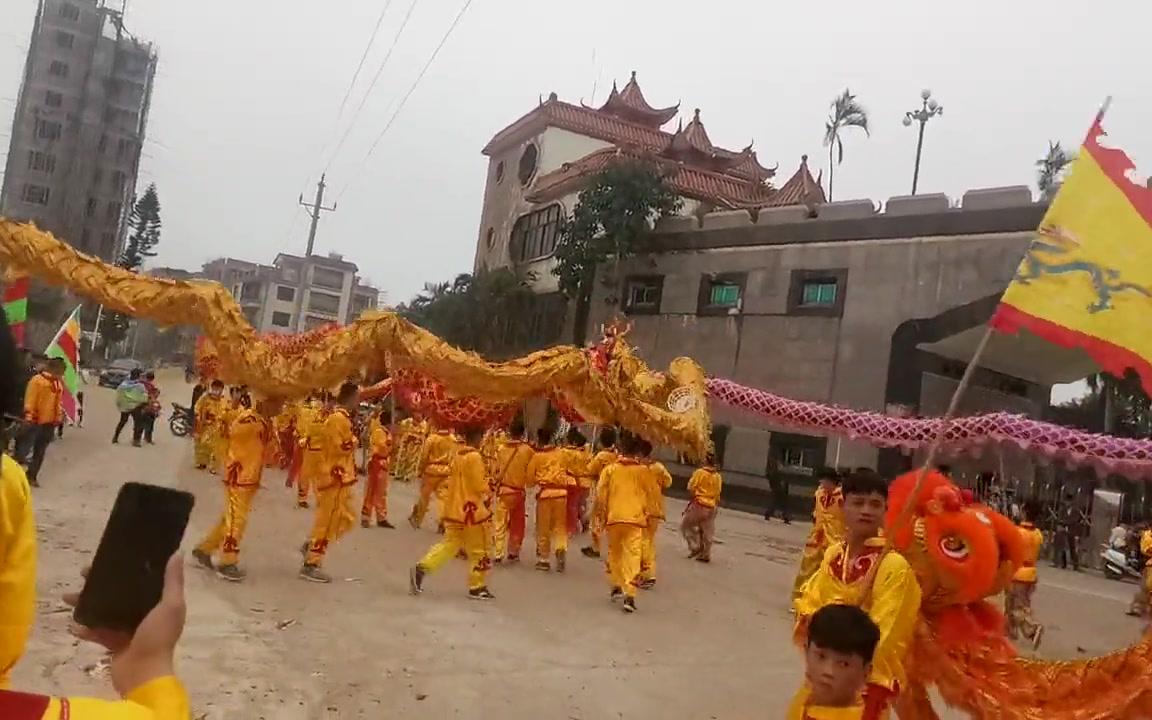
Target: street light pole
928,109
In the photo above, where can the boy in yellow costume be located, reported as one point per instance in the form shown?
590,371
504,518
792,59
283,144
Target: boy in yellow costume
376,485
1018,598
661,480
17,562
827,526
435,461
699,522
838,656
209,412
863,571
602,459
511,478
312,418
249,435
335,484
623,498
548,472
467,509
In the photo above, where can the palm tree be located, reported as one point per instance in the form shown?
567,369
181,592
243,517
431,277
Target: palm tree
1050,169
846,113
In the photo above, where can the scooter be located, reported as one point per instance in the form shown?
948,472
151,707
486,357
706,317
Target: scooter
1118,565
181,421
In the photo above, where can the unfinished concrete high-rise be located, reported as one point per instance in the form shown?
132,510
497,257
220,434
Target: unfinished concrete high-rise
79,125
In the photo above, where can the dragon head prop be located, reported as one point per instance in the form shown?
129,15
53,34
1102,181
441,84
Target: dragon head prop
961,551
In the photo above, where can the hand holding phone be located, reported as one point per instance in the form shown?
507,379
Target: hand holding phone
126,579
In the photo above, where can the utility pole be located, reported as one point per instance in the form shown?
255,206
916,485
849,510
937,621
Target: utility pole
314,211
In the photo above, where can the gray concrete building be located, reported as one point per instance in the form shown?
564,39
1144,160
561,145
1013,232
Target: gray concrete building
79,125
846,305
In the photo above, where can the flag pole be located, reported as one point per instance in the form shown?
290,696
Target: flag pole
944,426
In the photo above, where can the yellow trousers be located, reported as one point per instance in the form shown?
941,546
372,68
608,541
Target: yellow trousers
334,518
508,525
204,446
310,468
429,485
597,531
473,540
648,550
219,454
625,544
551,526
229,530
809,564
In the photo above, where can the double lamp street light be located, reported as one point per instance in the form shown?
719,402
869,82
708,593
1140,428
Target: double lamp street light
929,109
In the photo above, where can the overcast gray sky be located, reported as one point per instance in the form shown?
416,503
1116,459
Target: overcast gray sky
247,95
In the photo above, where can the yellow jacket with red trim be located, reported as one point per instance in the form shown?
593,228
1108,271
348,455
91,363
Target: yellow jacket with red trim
623,494
1033,539
439,449
248,436
17,565
339,450
161,699
660,480
512,461
548,471
468,497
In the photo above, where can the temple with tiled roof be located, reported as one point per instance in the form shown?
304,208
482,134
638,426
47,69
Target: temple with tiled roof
539,163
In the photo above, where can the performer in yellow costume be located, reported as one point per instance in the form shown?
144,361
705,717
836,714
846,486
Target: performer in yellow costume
209,412
827,526
604,457
548,472
1018,598
467,509
312,419
510,479
439,449
579,462
698,525
624,497
661,480
228,409
249,435
838,656
17,562
376,485
1143,596
335,484
863,571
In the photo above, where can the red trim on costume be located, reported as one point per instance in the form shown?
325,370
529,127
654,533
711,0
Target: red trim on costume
22,706
1111,358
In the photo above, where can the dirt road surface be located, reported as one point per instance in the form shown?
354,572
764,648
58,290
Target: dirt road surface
710,641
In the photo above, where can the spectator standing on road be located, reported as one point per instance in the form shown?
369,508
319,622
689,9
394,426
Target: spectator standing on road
131,397
42,413
778,501
1066,541
151,409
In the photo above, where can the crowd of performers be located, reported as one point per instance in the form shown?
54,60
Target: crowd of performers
856,601
477,479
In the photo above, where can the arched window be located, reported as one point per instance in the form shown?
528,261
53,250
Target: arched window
528,160
534,234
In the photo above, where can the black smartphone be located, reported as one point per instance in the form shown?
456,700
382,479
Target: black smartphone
127,574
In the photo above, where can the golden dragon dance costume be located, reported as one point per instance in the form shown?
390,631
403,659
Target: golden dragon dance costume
249,434
467,509
827,529
511,478
335,483
409,447
435,464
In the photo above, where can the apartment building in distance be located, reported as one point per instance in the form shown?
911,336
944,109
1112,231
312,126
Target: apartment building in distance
295,293
79,125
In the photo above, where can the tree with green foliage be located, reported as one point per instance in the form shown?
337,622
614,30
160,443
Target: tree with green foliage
144,228
846,113
1050,170
612,218
474,312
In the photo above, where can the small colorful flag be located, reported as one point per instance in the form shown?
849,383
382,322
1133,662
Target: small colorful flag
1086,280
16,304
66,345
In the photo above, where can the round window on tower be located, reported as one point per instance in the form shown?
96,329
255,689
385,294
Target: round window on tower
499,172
528,163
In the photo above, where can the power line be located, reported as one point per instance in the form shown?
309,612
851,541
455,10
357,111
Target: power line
371,86
363,58
412,89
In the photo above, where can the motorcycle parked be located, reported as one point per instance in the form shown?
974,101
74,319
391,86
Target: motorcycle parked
181,421
1119,565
